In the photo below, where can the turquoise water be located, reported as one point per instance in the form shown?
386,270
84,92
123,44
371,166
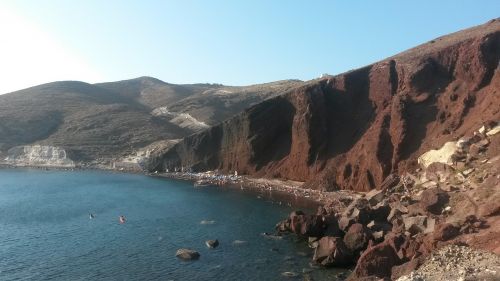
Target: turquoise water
46,233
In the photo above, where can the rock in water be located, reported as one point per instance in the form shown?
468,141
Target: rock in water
187,254
331,251
289,274
212,243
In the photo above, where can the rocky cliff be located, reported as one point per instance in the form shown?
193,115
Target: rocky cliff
352,130
39,155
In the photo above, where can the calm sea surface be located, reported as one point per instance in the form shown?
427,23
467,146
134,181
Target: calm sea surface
46,232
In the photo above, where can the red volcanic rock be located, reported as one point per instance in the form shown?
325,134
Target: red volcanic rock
353,130
433,200
376,261
332,251
445,231
357,237
307,225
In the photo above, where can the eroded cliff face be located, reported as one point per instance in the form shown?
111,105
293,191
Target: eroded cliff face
38,155
352,130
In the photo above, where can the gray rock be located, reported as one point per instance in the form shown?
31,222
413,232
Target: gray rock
212,243
313,242
374,197
187,254
418,224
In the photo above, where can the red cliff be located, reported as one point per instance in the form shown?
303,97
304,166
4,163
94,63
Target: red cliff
352,130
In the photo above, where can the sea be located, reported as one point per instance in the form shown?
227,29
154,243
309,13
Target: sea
47,233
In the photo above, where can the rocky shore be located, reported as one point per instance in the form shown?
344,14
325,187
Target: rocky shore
401,229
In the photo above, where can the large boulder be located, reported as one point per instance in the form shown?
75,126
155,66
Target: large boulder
212,243
380,212
376,261
375,196
307,225
357,212
331,251
357,237
332,226
445,231
432,200
442,155
187,254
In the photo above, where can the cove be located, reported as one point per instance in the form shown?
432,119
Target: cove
46,232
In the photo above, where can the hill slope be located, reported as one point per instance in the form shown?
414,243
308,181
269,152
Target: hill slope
354,129
111,120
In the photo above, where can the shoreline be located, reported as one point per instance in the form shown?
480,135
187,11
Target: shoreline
287,190
289,187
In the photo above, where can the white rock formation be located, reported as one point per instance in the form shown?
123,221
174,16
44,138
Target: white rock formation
442,155
493,131
183,120
38,155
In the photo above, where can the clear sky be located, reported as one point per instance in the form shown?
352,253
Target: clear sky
232,42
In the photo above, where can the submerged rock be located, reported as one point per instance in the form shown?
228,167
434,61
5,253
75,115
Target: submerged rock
289,274
212,243
239,242
187,254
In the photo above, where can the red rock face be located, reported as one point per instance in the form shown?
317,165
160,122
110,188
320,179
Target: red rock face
352,130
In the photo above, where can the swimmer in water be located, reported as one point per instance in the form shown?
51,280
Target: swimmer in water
122,219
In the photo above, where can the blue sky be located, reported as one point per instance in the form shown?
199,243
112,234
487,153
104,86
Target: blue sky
229,42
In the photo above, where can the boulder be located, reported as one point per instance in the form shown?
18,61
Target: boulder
442,155
332,226
380,212
418,224
433,200
332,251
374,196
357,237
376,261
358,211
212,243
283,226
187,254
313,242
445,232
345,223
307,225
397,210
